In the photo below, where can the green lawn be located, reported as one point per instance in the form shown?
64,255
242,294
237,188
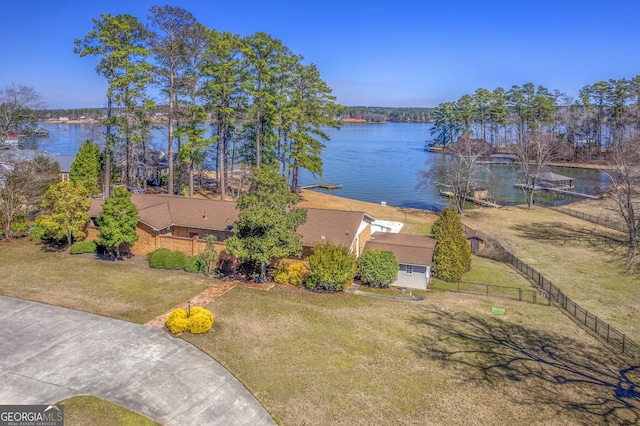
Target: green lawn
89,410
347,359
580,258
126,290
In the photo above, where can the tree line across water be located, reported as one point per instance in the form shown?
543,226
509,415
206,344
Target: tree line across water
604,114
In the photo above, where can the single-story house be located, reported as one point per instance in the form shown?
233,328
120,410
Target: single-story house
9,157
193,218
414,254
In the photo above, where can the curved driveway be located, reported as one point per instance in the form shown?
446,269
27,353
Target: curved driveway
49,353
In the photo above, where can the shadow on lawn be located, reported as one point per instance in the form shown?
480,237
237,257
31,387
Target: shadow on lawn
592,384
559,232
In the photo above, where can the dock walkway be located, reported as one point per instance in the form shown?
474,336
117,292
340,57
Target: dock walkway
560,191
322,185
485,203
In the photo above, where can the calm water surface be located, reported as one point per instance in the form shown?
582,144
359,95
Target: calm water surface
373,162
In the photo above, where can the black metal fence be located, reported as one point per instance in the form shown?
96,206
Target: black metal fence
491,290
613,337
602,221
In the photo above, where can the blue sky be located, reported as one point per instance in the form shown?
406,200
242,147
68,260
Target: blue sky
410,53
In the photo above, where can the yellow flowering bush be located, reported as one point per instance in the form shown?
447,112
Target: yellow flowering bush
291,273
199,321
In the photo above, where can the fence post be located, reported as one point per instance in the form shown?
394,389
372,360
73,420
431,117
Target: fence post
487,290
585,316
607,332
520,294
596,324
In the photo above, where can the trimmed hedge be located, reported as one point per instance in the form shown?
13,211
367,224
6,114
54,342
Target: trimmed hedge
200,321
175,260
80,247
157,258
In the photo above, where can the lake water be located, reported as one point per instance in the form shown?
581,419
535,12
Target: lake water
373,162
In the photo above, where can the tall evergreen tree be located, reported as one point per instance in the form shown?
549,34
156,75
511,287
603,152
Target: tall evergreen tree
117,41
267,59
117,222
310,109
172,28
224,91
85,169
452,255
267,222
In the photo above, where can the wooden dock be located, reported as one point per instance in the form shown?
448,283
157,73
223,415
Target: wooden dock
322,185
560,191
485,203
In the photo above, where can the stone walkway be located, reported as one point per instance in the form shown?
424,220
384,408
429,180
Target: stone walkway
206,297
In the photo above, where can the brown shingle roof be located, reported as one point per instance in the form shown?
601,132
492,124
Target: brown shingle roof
408,249
163,211
472,233
339,227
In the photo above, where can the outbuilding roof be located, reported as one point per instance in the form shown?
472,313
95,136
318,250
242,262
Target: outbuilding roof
408,249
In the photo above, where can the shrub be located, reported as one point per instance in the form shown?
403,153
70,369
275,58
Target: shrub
378,268
331,267
175,260
19,226
290,273
195,264
37,233
157,258
80,247
177,321
199,321
282,275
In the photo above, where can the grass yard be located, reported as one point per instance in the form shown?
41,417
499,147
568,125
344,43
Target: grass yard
126,290
577,256
344,359
90,410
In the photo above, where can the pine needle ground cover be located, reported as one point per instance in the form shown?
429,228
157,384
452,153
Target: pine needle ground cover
347,359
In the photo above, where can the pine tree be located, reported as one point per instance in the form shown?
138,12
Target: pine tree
86,167
267,222
118,220
452,255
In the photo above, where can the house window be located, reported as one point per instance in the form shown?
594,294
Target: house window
409,269
193,234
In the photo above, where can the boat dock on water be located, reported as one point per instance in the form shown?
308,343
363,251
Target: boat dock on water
557,190
482,202
322,185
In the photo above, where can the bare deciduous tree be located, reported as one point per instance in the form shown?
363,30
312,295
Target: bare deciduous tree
18,109
459,170
624,185
534,154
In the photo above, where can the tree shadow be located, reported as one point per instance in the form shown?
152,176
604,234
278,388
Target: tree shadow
567,375
563,233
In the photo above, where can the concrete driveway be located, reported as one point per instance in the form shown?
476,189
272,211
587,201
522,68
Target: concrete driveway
49,353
